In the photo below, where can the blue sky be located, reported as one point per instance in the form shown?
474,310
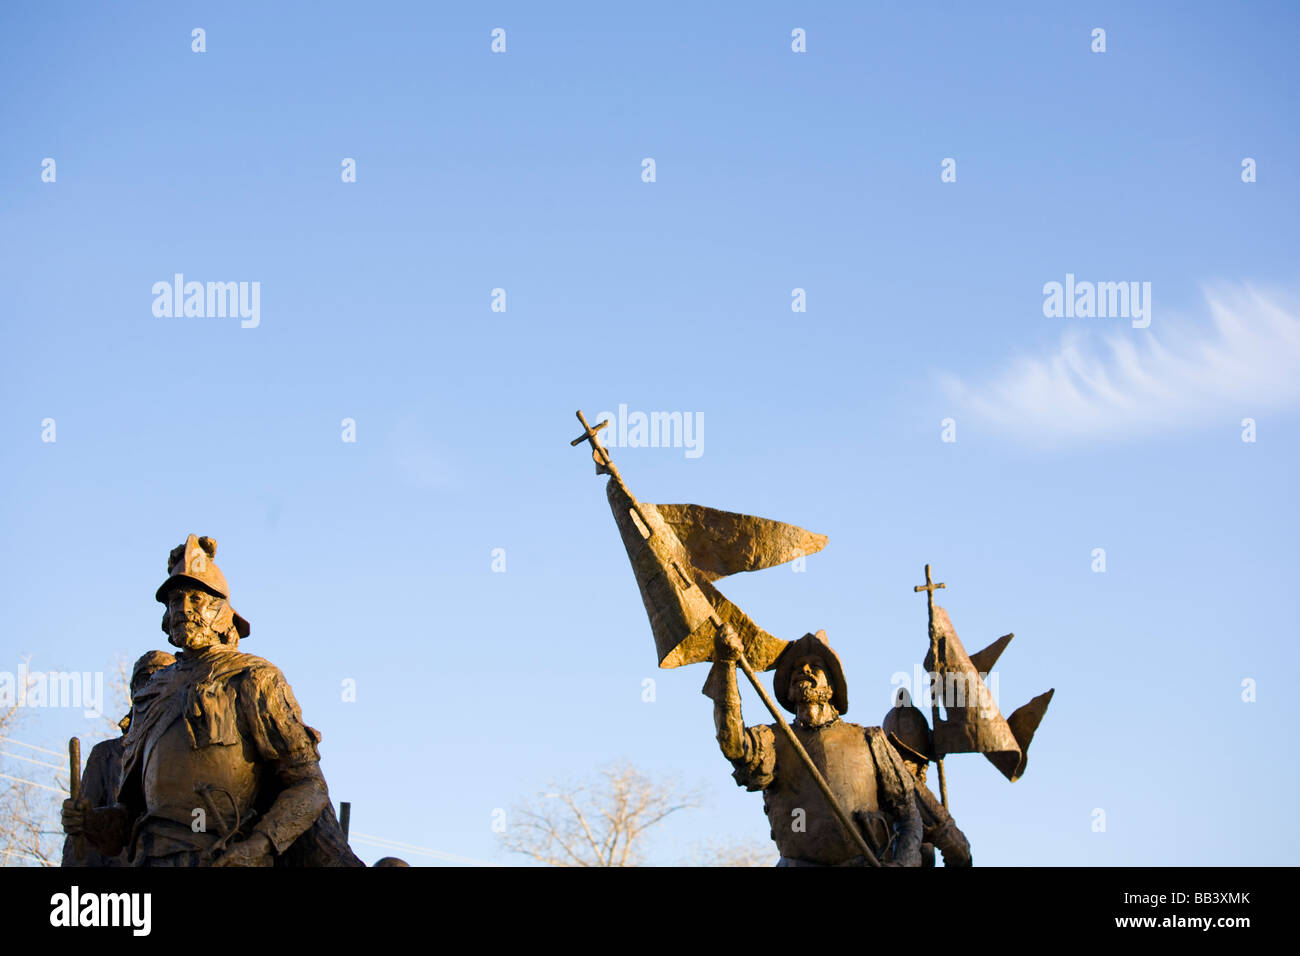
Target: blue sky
372,560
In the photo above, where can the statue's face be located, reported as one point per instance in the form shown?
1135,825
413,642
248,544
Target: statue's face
808,680
195,618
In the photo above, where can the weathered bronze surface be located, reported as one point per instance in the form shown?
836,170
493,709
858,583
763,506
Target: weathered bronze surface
843,796
906,729
866,775
836,793
678,551
98,784
972,722
217,766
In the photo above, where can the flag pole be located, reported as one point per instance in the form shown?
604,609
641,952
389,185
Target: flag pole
929,587
606,464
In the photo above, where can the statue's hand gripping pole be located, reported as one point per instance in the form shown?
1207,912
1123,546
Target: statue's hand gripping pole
605,465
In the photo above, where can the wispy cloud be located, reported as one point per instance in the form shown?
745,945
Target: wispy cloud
1178,374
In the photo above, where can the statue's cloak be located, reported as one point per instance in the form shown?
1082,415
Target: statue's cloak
224,698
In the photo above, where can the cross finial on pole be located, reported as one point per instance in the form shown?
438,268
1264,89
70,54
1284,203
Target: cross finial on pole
929,587
599,454
604,464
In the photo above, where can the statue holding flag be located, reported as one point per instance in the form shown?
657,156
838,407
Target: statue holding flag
866,774
971,723
907,730
835,793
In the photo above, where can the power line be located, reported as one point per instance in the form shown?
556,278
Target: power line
57,753
386,844
382,842
31,783
39,763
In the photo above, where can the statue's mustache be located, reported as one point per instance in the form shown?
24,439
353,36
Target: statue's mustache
193,617
810,691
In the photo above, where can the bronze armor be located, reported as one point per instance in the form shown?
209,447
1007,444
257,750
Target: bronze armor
217,779
841,752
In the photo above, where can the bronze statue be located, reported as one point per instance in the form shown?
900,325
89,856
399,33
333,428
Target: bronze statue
867,776
906,729
971,723
835,793
98,783
851,812
218,767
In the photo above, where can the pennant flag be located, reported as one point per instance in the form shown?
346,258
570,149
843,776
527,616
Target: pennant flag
678,551
972,721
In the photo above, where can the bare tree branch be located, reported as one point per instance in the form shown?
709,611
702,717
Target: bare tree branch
739,853
26,833
601,824
119,684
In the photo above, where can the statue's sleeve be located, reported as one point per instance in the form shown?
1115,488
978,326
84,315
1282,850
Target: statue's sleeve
99,783
897,785
274,723
898,790
757,769
943,832
99,780
274,720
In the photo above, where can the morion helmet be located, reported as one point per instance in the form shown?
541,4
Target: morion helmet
907,730
190,564
810,644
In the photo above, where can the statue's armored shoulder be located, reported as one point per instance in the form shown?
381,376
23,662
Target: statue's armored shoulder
249,673
237,663
880,746
273,714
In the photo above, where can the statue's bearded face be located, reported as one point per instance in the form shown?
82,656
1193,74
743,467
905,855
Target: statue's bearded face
196,619
808,681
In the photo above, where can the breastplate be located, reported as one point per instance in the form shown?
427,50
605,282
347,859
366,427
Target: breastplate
840,751
176,777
